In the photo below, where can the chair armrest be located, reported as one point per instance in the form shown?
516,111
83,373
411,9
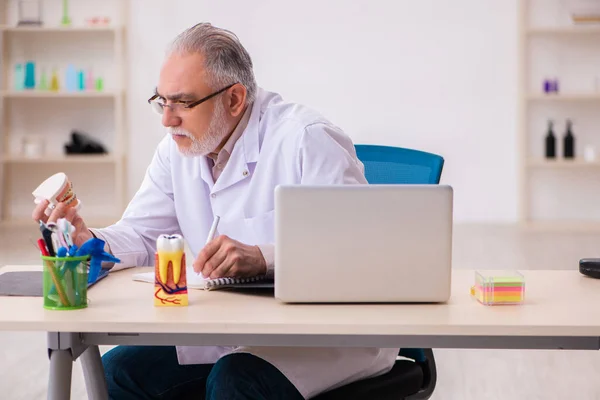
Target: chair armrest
429,377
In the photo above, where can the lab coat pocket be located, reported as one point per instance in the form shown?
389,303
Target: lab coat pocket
262,227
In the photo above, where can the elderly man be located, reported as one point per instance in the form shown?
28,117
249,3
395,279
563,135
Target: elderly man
229,144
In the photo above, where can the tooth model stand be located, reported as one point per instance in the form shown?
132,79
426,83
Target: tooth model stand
170,281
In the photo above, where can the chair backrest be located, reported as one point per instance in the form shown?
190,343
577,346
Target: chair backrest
397,165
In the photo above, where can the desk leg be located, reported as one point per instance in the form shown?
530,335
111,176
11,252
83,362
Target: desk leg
61,367
63,349
93,373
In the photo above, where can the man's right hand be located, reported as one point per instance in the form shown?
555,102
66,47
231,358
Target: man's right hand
81,235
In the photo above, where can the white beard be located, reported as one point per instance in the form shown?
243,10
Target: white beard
213,137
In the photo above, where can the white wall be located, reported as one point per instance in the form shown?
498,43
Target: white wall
436,75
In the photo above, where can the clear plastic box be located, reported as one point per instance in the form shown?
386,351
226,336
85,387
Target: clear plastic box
499,287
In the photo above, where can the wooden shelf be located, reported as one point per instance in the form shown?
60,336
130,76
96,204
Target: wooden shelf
92,222
564,97
563,164
50,29
45,94
74,159
565,30
568,226
101,49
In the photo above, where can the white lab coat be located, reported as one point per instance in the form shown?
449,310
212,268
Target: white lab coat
283,143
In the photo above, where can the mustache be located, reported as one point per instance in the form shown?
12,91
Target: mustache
179,131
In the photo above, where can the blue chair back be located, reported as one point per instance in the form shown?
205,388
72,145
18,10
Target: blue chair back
397,165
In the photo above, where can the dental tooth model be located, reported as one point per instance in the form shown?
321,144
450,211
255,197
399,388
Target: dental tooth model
170,282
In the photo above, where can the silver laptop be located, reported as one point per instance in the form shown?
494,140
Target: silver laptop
363,243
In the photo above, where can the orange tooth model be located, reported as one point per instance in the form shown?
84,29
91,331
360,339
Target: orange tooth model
170,281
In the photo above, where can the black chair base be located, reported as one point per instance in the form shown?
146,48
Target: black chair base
404,379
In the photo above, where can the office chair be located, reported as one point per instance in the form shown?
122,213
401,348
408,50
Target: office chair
413,379
396,165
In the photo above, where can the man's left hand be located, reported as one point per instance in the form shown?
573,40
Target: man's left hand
225,257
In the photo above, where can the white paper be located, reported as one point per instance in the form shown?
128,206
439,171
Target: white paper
194,281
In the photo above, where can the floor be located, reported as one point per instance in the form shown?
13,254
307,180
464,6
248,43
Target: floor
462,374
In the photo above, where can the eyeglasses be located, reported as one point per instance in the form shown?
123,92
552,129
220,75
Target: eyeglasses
158,104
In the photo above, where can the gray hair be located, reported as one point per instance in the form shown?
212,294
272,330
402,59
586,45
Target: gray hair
226,60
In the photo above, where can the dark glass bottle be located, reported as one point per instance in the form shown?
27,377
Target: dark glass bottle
569,141
550,142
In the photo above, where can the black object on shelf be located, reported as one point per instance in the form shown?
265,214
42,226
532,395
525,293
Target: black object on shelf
550,142
569,141
83,144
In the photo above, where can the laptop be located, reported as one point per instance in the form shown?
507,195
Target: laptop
363,243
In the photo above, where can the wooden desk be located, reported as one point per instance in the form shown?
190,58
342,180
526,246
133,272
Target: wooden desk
560,313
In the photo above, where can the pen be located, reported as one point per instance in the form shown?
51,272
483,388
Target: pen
55,241
52,271
213,229
42,247
47,235
212,232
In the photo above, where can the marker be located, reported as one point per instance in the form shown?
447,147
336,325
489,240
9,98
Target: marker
42,246
47,235
213,229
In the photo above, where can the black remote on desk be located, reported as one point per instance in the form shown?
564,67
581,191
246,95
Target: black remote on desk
590,267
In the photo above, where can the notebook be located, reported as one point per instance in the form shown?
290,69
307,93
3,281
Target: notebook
196,281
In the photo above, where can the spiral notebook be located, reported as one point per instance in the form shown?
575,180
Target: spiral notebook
196,281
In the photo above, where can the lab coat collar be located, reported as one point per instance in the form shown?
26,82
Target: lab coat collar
205,172
250,137
245,152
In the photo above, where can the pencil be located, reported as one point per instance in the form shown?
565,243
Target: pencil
50,266
57,284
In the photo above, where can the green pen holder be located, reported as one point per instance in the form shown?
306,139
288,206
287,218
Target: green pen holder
65,282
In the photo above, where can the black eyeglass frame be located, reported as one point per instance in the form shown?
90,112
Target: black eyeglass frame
197,102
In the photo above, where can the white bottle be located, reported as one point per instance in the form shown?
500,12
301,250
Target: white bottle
589,153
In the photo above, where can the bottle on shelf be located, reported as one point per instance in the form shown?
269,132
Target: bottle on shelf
551,86
44,80
71,78
99,84
81,76
569,141
54,84
19,77
550,141
589,153
66,19
547,86
30,75
90,83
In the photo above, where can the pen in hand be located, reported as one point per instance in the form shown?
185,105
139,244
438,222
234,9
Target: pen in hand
212,232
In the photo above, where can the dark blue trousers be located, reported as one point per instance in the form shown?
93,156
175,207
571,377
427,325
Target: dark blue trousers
152,372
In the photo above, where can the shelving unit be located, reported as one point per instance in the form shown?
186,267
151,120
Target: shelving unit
50,116
564,97
70,159
63,94
542,163
50,29
564,30
558,194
